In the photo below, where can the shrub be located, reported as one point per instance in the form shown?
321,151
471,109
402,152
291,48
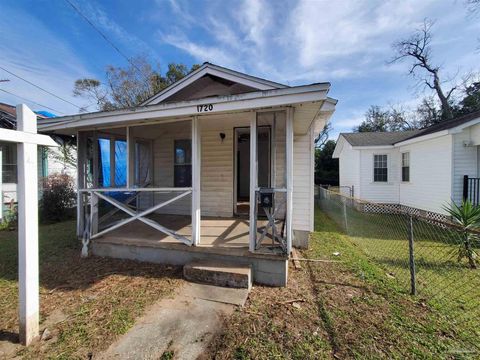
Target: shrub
10,217
58,198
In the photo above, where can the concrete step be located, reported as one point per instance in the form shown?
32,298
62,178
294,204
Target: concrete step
219,274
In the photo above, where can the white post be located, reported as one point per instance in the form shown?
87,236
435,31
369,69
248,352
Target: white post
289,154
81,182
253,179
196,173
130,158
27,228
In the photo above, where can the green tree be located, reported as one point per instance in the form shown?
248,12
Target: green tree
378,119
326,167
129,86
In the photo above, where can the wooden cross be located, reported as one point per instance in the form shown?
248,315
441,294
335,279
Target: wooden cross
27,140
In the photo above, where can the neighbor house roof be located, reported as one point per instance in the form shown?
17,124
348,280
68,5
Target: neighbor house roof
392,138
378,138
8,116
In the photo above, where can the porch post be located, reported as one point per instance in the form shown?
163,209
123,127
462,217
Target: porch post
253,179
93,197
81,170
130,158
27,228
289,154
196,173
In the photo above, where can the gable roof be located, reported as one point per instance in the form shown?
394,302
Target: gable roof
249,82
378,138
392,138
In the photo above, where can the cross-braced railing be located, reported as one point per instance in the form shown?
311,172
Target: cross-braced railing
90,206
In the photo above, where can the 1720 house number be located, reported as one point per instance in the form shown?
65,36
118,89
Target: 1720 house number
204,108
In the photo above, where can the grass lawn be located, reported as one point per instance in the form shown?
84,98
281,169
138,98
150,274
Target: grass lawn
442,281
84,303
346,309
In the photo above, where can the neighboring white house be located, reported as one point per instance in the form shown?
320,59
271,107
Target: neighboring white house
48,163
190,171
424,169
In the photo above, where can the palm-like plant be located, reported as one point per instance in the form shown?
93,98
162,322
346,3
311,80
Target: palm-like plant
467,216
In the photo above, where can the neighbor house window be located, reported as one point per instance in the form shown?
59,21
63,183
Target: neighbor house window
380,168
406,166
9,163
182,163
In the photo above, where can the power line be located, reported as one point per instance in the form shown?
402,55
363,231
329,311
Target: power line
103,35
39,87
31,101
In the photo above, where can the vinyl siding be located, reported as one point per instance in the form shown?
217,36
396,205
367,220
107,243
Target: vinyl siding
430,174
464,161
377,191
302,183
349,170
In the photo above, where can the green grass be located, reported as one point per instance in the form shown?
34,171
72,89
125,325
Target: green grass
443,282
349,308
98,298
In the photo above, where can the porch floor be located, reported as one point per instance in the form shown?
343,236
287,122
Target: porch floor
220,235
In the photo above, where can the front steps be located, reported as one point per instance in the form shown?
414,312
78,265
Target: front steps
219,274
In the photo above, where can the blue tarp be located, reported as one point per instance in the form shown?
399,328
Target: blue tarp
120,162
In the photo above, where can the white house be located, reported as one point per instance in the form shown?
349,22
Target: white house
218,166
424,169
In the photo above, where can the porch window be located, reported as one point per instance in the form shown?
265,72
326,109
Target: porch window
406,166
380,168
182,163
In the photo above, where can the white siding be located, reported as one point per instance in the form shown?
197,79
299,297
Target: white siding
387,192
430,174
349,170
464,161
303,168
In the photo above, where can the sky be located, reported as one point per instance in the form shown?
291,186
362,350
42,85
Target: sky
347,43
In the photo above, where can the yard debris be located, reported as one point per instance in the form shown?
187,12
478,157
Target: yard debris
390,276
336,253
291,301
296,305
296,262
46,335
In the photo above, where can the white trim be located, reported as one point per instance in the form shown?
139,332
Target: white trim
241,102
289,171
459,128
211,69
196,174
422,138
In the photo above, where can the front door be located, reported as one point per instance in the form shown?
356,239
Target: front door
242,166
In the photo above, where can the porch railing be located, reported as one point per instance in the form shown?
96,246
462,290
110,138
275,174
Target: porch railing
471,189
89,227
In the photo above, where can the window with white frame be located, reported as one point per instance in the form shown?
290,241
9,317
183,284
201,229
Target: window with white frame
406,166
380,168
182,176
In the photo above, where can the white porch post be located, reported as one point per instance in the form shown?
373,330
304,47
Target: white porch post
289,154
253,179
130,158
27,228
196,173
81,183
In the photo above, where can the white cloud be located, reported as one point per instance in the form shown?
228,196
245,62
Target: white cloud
37,54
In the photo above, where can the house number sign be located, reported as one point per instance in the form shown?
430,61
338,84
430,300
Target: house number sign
205,108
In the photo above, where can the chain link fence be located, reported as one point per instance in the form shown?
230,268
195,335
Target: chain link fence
420,250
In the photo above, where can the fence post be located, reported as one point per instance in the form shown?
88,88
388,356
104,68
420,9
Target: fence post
413,285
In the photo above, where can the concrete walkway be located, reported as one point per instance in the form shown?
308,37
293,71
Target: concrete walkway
182,325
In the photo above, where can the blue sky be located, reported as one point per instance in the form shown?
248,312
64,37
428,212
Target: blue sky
347,43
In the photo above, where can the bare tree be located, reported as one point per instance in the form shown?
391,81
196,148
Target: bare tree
322,138
417,49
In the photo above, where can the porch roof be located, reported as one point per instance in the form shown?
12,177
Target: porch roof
313,107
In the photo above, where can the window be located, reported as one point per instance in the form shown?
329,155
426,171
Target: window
9,163
380,168
182,163
406,166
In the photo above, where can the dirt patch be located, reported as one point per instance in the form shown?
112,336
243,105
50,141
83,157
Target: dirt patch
87,303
